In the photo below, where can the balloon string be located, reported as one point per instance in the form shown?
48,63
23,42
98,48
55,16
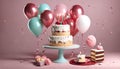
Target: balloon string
83,43
62,19
37,52
43,49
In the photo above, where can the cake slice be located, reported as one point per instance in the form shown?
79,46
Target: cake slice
97,55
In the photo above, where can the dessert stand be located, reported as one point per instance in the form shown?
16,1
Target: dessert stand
60,49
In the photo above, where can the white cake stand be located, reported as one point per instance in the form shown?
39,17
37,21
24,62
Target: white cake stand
61,58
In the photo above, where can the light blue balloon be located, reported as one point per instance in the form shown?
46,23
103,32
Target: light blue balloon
43,7
35,26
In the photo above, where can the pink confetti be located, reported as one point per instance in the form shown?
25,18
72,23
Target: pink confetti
111,32
88,5
111,7
4,21
100,64
41,39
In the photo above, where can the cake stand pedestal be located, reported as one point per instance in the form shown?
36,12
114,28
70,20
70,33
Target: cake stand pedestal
60,49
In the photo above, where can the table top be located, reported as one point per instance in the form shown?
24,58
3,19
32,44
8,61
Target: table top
112,61
74,46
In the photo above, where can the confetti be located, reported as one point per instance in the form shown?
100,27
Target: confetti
21,61
111,7
4,21
113,62
88,5
99,63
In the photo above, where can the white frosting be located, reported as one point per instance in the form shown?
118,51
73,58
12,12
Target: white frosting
61,28
61,38
95,50
81,58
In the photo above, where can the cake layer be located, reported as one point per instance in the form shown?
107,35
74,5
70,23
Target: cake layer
61,40
67,43
60,33
97,51
58,39
97,60
60,30
95,57
92,53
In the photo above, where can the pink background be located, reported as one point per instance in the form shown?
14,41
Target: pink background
16,41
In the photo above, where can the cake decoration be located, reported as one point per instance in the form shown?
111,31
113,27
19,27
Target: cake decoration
100,47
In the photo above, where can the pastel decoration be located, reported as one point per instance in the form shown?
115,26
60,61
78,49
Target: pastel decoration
83,23
91,40
100,47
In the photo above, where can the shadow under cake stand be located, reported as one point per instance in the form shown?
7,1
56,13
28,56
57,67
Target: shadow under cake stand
60,49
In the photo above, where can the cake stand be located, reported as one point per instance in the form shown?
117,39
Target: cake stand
60,49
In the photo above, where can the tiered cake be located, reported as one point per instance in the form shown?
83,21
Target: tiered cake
61,36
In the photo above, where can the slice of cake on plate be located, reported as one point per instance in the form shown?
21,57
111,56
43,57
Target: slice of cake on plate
97,55
81,58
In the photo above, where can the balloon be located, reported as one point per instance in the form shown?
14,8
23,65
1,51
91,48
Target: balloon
30,10
60,12
73,28
74,32
76,11
91,41
43,7
47,18
35,26
83,23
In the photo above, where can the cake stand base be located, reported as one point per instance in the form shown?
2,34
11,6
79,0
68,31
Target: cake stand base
60,58
60,49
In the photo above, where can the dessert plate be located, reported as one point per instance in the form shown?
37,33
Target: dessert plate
88,62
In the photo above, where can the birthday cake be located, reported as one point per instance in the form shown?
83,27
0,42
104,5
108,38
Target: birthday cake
61,36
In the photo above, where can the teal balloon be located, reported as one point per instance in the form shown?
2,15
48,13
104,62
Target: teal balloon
35,26
43,7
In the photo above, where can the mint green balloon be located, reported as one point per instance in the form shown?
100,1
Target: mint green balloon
43,7
35,26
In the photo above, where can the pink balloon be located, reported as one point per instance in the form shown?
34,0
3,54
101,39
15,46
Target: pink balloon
60,12
91,41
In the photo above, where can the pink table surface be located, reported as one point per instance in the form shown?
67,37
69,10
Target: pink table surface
112,61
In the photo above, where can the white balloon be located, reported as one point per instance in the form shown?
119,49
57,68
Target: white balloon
83,23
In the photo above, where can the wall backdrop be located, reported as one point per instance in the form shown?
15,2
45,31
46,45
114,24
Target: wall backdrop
17,40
